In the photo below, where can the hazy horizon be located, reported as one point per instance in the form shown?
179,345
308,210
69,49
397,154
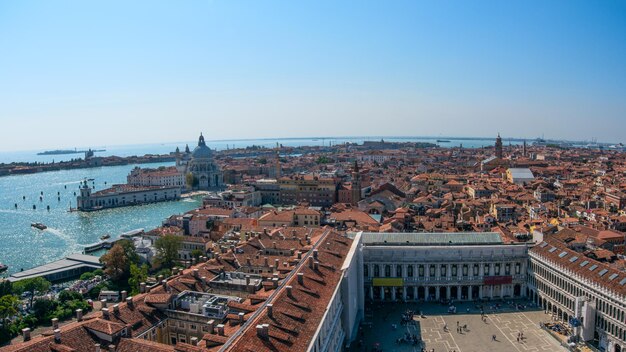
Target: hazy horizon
123,73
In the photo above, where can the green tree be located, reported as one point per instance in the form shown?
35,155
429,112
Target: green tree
5,288
32,285
196,253
138,274
116,263
130,251
8,306
167,250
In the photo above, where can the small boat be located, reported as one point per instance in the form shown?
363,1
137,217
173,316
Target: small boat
443,141
3,267
39,226
105,237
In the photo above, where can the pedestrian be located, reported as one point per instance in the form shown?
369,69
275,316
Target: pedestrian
493,337
517,338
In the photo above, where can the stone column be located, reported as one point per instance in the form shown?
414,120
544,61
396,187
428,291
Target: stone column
372,292
393,293
480,292
404,293
382,293
448,288
458,293
469,293
501,291
415,293
437,292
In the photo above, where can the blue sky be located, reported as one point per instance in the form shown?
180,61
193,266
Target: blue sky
81,73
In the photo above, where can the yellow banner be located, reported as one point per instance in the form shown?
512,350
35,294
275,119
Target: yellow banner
388,281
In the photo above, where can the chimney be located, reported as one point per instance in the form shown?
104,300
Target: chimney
315,253
265,261
79,314
275,282
194,341
211,325
26,334
160,278
97,347
55,323
111,348
316,265
274,244
103,303
299,255
164,283
142,287
289,291
276,263
124,295
130,303
220,329
204,280
241,316
301,278
57,335
310,260
247,280
270,310
116,309
105,313
248,261
266,330
260,332
195,273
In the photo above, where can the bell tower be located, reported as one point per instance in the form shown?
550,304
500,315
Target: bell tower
356,184
499,153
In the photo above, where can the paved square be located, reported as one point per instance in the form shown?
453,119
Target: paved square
505,323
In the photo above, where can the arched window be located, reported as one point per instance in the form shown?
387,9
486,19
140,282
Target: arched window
398,270
409,271
387,270
376,270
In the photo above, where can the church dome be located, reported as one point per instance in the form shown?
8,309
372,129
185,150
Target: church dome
202,151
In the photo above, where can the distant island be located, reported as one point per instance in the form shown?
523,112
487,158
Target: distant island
68,151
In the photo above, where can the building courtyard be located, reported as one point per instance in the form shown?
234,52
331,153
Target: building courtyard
383,330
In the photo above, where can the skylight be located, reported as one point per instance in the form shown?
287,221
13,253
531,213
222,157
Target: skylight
573,259
613,276
562,254
602,272
623,282
543,244
584,263
552,249
593,267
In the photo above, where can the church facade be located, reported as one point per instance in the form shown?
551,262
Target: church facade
201,170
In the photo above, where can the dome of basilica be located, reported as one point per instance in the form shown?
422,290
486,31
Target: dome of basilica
202,151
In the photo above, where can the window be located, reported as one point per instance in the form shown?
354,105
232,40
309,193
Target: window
376,270
454,271
476,268
465,269
497,269
387,270
398,270
518,268
486,270
409,271
442,270
507,269
431,270
421,271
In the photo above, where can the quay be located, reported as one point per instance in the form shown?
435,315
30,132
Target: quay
64,269
107,244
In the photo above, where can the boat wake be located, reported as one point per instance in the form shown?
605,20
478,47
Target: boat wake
70,242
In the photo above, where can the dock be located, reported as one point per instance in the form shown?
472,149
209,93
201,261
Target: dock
64,269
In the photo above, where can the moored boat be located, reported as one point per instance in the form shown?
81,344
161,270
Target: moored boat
3,267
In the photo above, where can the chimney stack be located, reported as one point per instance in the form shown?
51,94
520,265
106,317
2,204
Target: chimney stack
57,336
310,260
194,341
195,273
265,261
103,303
26,334
270,310
289,293
164,283
316,265
142,287
97,347
130,303
105,313
259,332
247,280
220,329
301,278
79,314
160,278
241,317
211,325
55,323
111,348
276,263
315,254
124,295
116,309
